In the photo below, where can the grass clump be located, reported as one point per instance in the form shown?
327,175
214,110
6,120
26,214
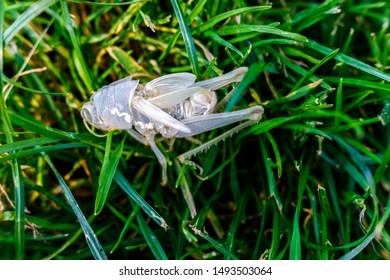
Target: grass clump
310,181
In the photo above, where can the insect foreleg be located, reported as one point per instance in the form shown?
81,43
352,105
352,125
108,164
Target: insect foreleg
137,136
160,157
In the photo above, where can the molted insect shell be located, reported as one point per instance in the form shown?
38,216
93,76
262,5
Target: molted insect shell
109,106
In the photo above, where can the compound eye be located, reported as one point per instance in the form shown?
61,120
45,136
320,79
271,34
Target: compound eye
90,116
88,113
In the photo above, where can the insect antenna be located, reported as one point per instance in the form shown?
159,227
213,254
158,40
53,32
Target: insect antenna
93,132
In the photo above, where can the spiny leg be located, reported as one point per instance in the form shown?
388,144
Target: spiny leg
203,123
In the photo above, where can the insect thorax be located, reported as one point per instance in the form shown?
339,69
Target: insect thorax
201,103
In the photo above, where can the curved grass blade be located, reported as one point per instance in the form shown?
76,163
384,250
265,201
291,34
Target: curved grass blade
278,157
57,147
127,188
222,42
30,124
348,60
26,144
213,21
15,84
298,93
105,4
295,67
306,129
349,166
187,37
246,28
375,234
90,236
218,246
22,20
267,125
125,60
362,84
312,70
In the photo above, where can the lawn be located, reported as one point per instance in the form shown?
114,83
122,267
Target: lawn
310,180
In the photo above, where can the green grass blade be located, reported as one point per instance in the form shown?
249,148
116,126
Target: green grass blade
11,147
110,164
194,13
77,54
19,211
222,42
17,179
125,60
312,70
24,19
299,93
36,150
348,60
381,170
3,107
306,129
30,124
253,73
245,28
295,67
236,221
127,188
276,150
296,244
275,242
377,232
268,125
15,84
273,191
105,4
187,37
324,203
385,114
214,20
151,239
90,236
362,84
218,246
68,243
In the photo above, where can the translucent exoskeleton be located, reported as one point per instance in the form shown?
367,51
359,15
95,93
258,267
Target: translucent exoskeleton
172,105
